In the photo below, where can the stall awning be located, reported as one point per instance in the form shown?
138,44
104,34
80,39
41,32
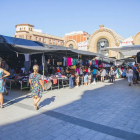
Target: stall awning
24,46
80,52
126,50
11,44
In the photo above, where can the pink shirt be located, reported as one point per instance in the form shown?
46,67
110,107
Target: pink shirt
78,70
68,61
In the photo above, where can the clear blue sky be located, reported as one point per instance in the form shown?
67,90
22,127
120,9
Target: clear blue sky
57,17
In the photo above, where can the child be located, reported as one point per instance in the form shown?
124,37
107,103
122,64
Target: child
89,78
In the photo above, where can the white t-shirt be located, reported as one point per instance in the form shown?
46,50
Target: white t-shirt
130,72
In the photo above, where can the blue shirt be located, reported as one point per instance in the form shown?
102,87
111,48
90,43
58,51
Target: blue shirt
94,71
134,69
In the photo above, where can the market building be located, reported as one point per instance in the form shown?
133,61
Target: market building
136,40
97,42
72,39
27,31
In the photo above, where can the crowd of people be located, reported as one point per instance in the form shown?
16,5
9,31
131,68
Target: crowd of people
133,74
76,75
90,75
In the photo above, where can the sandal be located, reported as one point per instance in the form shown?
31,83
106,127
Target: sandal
2,107
6,93
37,107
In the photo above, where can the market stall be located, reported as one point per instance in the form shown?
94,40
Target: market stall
48,57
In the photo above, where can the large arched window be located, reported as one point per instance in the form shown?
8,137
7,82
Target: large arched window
71,46
101,46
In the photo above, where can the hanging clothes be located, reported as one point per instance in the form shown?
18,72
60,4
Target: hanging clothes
71,61
64,61
68,61
89,62
74,61
26,57
95,61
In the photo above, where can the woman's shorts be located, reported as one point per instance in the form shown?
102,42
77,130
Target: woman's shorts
86,78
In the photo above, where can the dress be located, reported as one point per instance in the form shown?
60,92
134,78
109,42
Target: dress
36,88
1,82
103,72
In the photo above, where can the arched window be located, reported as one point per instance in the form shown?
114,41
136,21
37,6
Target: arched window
71,46
101,46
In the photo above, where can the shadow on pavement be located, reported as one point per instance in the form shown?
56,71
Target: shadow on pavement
106,109
47,101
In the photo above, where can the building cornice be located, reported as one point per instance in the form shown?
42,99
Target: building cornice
24,25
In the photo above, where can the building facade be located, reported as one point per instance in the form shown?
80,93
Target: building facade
27,31
72,39
97,42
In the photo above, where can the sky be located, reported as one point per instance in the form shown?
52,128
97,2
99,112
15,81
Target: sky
57,17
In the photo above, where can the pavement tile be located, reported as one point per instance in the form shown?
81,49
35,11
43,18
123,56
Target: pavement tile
90,112
61,137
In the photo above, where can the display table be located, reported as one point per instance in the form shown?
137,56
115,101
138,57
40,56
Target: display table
62,80
20,80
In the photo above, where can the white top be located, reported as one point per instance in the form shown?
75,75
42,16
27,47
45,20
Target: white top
130,72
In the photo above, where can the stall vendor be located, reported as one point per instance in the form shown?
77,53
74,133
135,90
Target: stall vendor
58,70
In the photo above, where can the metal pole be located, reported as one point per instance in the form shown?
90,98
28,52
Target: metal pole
43,68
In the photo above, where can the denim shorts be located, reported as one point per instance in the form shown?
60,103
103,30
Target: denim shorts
86,78
135,76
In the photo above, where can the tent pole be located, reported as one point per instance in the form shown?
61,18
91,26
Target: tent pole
43,68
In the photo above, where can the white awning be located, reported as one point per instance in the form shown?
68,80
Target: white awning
126,50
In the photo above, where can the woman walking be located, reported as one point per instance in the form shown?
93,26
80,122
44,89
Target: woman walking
130,75
103,74
94,73
85,76
77,76
71,78
37,85
111,75
3,74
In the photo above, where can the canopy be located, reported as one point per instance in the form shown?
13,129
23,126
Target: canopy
24,46
11,44
126,50
73,52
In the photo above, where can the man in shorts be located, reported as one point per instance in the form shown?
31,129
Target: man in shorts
135,74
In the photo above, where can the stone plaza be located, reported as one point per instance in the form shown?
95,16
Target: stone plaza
106,111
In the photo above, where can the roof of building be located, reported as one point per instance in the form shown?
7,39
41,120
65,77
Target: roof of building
45,35
24,24
75,32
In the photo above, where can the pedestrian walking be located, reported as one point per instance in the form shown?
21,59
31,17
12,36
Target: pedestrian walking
111,74
103,74
89,78
135,71
77,78
3,74
130,74
85,75
94,73
71,78
37,85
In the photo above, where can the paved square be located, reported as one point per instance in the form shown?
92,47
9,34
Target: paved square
104,111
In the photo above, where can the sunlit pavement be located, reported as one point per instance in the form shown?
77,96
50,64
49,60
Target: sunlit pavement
104,111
